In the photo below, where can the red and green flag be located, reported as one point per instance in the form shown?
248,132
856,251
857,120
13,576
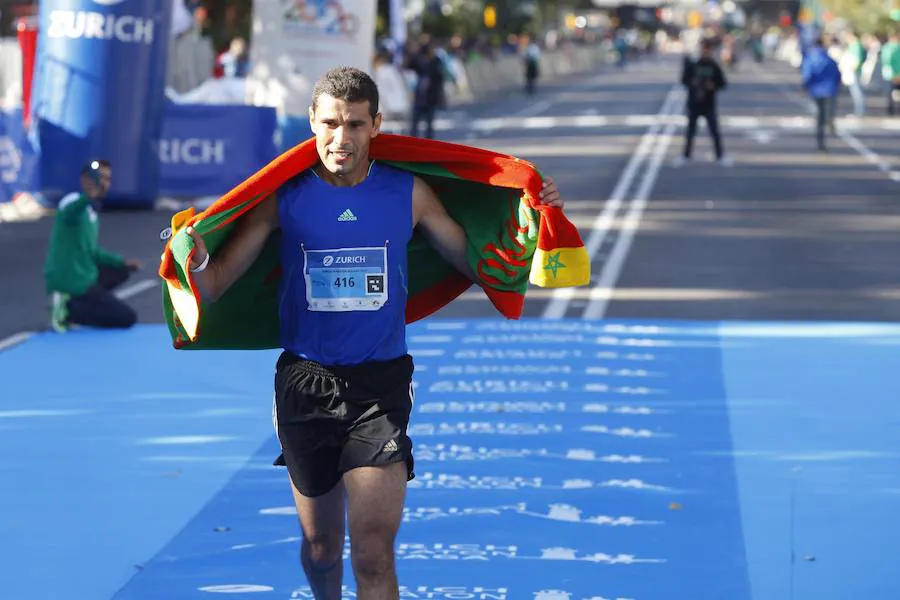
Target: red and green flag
513,242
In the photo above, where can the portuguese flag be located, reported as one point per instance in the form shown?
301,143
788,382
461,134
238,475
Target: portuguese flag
512,241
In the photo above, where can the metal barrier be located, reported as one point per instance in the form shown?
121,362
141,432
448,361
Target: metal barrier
487,77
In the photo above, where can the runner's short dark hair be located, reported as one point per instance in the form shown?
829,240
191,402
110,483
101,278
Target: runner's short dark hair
349,84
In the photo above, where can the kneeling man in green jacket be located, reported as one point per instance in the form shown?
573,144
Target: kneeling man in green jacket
80,276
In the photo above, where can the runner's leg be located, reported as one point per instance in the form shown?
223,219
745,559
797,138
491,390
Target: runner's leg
321,552
310,436
374,530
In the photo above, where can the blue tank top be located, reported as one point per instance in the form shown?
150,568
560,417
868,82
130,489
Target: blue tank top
344,259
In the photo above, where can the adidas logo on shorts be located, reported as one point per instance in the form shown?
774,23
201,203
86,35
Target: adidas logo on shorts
391,446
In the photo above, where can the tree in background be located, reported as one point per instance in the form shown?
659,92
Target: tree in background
465,20
864,16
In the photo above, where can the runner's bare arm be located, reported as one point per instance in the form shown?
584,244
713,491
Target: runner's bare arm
445,234
236,256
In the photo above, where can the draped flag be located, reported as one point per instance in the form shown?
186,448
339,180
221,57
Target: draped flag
513,241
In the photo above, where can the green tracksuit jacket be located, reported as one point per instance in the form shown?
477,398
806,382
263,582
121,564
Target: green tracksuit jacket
74,255
890,61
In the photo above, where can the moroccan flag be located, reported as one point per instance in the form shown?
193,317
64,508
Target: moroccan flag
512,241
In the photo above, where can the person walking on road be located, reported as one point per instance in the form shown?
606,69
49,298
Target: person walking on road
890,71
429,94
531,56
822,81
343,383
79,274
851,64
704,79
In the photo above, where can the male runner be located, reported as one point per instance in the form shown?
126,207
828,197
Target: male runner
343,385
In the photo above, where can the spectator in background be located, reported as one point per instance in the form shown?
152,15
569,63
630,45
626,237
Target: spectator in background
822,81
511,46
80,275
703,79
621,46
873,49
235,62
182,18
531,55
429,93
890,70
851,63
393,91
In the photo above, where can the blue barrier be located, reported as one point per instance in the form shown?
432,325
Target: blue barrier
99,91
293,130
203,151
18,157
207,150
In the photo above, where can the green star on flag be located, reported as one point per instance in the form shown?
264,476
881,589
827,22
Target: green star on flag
554,264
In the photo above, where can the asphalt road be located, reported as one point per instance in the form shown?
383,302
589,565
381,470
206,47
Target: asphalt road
783,234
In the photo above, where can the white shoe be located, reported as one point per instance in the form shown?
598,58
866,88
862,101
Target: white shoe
59,312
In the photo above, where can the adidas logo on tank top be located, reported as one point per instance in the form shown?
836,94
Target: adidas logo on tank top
347,215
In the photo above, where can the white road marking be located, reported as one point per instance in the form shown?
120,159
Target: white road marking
136,288
602,291
123,294
15,339
559,304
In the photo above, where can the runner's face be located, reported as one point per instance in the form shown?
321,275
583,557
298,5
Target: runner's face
344,130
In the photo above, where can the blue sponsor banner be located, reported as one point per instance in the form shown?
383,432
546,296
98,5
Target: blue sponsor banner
99,92
293,131
18,157
207,150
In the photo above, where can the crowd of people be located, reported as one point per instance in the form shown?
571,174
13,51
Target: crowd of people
867,64
424,69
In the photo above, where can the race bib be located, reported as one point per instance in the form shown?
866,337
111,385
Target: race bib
345,279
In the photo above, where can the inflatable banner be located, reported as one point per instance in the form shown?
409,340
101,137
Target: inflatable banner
18,160
99,92
295,42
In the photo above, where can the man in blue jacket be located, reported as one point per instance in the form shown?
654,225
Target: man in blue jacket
822,81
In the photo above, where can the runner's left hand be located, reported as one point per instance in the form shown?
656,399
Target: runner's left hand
550,195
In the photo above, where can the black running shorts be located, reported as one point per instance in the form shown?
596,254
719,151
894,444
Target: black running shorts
330,420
